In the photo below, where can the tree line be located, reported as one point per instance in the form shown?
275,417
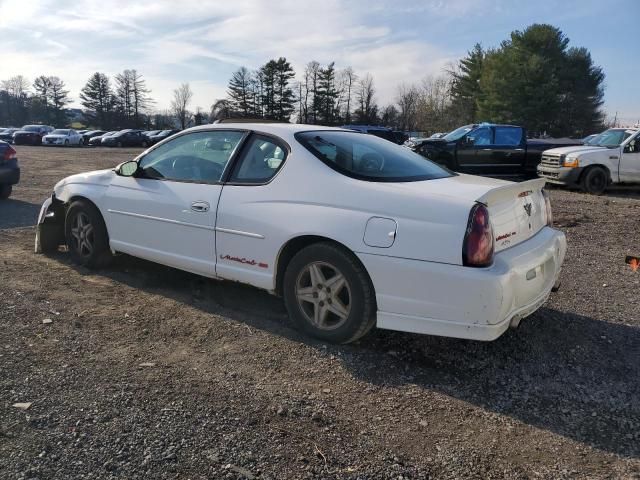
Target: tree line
533,78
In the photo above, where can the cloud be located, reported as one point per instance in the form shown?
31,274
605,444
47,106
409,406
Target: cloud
203,42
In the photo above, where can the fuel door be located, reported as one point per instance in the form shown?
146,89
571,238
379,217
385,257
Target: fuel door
380,232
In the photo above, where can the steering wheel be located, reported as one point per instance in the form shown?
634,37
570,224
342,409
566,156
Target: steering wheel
371,162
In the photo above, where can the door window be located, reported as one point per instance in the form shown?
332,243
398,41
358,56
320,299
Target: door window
480,136
262,159
511,136
199,157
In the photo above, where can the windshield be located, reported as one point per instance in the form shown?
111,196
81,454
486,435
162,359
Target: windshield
60,132
31,128
611,137
370,158
458,133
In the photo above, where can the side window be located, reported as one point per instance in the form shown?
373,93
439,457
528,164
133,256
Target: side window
262,159
199,157
480,136
511,136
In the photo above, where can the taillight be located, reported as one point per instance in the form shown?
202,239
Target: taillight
477,249
9,154
547,205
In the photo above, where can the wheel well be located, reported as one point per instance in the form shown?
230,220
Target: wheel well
84,199
294,245
591,167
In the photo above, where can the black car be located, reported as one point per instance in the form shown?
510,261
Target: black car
489,149
126,138
7,134
89,134
97,140
151,133
9,170
31,134
161,136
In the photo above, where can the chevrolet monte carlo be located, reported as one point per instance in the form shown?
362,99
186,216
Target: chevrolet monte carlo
351,230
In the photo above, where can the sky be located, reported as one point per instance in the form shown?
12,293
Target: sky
203,42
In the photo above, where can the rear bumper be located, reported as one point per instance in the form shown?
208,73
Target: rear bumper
472,303
9,173
560,175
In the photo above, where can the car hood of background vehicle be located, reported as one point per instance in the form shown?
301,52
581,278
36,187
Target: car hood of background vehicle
575,149
25,132
97,177
53,137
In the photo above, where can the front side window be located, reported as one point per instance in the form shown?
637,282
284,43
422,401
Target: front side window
369,158
261,160
480,136
199,157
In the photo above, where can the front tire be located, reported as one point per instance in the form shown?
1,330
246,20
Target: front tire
86,235
5,191
595,181
328,294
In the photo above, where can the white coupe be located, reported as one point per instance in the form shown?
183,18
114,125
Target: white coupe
352,230
64,137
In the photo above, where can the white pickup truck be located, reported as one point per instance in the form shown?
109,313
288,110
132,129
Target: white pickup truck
611,157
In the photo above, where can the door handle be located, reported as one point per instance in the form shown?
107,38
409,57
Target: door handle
200,207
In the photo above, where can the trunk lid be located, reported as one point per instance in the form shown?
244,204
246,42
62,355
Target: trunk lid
517,211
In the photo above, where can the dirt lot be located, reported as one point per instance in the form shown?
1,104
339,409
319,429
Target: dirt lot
147,372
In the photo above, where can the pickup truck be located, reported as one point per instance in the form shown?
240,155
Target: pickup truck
489,149
9,170
612,157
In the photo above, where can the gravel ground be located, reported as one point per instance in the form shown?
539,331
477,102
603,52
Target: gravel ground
141,371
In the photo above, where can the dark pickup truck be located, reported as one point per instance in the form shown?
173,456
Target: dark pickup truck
489,149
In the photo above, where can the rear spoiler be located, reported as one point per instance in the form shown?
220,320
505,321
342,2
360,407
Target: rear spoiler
510,191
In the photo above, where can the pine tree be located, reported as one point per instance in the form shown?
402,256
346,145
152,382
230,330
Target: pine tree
326,96
59,97
240,92
465,88
97,98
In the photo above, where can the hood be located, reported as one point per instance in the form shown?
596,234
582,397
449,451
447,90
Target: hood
25,132
579,149
55,136
100,178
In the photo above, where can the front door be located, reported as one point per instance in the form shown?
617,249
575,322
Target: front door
166,212
630,161
472,151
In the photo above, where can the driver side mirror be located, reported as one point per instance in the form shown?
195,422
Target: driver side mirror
631,147
468,140
127,169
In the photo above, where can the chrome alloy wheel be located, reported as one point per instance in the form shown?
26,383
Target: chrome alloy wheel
323,295
82,235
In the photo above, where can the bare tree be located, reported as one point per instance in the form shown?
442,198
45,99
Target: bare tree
367,111
181,99
407,100
348,79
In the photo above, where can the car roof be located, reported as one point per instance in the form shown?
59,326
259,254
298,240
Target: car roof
278,129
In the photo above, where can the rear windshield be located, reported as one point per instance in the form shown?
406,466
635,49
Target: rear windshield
369,158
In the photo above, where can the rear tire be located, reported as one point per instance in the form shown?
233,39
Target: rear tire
5,191
595,181
328,294
86,235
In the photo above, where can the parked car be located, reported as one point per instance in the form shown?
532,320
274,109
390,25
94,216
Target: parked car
9,170
96,141
389,239
62,137
89,134
161,136
381,132
489,149
31,134
7,134
126,138
151,133
589,138
82,132
612,157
